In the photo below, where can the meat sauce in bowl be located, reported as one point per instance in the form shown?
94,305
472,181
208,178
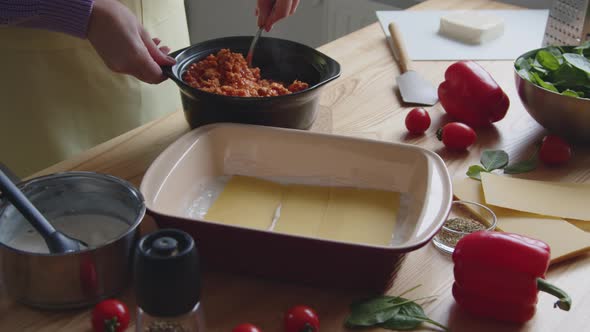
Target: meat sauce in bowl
227,73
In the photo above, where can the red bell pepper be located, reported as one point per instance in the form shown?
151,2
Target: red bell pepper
498,276
470,95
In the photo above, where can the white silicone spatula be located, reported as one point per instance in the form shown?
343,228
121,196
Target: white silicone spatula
413,88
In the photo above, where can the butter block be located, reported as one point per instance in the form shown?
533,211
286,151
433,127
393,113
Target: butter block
471,27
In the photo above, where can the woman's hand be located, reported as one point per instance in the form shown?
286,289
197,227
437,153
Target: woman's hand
124,45
282,9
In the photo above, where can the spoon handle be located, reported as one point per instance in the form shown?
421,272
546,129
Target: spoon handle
252,45
15,179
250,54
24,206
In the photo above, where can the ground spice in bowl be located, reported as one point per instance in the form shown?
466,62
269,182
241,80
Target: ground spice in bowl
464,218
463,225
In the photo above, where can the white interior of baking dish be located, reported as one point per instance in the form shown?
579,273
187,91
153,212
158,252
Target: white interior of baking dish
184,179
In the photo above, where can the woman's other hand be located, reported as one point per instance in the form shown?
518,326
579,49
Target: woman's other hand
124,45
267,18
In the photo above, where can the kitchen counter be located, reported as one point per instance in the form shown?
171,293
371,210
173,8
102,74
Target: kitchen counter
361,103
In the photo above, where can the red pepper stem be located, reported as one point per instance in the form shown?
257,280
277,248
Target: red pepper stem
564,302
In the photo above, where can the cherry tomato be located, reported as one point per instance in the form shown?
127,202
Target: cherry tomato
456,135
110,315
301,319
246,327
554,151
417,121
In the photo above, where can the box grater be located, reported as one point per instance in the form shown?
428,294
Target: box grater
568,23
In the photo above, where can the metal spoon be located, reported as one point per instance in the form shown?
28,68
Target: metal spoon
56,241
256,37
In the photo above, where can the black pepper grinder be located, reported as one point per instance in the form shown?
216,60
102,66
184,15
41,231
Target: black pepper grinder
167,283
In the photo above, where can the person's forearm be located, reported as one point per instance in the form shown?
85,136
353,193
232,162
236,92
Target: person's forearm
67,16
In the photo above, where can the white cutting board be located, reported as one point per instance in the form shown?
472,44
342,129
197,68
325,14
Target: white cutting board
523,31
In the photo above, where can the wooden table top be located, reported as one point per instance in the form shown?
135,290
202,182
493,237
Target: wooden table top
362,103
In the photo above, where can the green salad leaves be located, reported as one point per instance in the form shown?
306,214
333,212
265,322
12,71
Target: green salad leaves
561,69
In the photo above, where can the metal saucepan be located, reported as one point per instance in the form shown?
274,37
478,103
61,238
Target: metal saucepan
102,210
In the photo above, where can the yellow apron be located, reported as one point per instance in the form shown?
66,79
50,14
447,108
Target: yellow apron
57,98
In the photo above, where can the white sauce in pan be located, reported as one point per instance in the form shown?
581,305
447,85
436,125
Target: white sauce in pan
92,229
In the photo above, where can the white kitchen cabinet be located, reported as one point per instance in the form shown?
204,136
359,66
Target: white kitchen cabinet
345,16
315,23
306,26
532,4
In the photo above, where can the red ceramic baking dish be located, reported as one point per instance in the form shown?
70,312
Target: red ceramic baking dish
180,176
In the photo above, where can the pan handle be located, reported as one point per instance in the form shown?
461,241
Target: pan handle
168,69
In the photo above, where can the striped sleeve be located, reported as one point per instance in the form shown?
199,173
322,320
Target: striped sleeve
67,16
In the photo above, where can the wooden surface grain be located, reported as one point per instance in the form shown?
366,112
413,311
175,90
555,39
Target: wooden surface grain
362,103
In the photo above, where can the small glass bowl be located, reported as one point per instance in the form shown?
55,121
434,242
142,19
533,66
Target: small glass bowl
447,238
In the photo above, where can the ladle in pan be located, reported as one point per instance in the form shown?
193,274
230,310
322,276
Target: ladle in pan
56,241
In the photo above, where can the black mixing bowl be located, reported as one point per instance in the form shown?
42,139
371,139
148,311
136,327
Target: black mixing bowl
279,60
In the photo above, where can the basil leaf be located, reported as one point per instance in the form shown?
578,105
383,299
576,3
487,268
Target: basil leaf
415,310
570,93
547,60
578,61
402,322
557,52
474,172
494,159
539,69
583,47
525,74
521,167
357,319
523,63
410,316
568,76
391,312
543,84
530,61
412,308
525,165
374,311
372,305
